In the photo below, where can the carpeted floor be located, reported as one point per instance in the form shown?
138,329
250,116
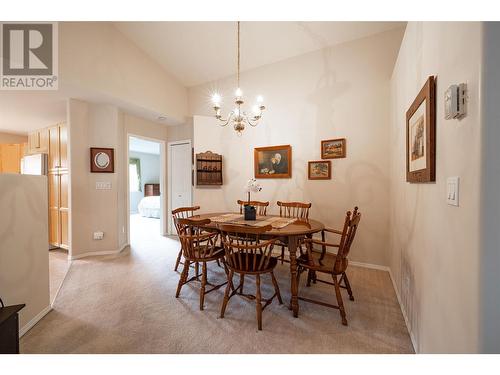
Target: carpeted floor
126,304
58,266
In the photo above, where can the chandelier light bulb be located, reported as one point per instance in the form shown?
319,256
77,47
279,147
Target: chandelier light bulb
260,99
216,98
238,93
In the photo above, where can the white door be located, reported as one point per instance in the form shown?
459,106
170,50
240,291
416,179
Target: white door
180,162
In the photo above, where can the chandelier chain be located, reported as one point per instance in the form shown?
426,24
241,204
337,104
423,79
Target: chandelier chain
238,67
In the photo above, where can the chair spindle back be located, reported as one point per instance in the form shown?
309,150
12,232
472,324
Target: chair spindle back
261,206
195,243
244,249
183,213
296,210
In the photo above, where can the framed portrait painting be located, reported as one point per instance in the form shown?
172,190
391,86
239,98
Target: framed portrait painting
333,148
320,170
421,135
273,162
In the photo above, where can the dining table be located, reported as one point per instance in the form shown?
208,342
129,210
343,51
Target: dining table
287,230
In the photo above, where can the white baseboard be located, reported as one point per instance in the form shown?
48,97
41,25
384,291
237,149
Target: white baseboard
96,253
369,265
403,311
34,321
405,316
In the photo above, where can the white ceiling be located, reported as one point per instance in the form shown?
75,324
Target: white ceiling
144,146
24,111
198,52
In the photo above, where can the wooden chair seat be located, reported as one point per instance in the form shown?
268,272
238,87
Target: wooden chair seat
319,262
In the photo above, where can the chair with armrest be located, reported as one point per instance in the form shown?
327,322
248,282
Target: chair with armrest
334,265
198,247
182,213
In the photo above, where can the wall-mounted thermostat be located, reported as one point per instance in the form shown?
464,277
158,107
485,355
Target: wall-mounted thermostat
454,101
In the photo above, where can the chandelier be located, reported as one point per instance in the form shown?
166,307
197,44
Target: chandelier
237,116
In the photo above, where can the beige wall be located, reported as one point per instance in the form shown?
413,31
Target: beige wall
434,247
12,138
96,57
337,92
93,125
101,125
24,246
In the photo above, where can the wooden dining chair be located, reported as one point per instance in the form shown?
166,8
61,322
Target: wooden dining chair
198,247
334,265
182,213
247,254
298,210
261,206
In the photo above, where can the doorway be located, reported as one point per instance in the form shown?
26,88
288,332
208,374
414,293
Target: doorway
146,204
180,161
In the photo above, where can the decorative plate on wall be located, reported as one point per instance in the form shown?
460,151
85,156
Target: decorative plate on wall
102,160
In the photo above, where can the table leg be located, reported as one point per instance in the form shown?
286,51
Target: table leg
292,249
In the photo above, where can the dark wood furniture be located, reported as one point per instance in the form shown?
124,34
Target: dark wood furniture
289,235
298,210
334,265
208,168
9,329
198,247
182,213
245,255
151,190
260,206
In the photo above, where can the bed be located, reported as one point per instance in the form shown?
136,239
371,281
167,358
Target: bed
149,206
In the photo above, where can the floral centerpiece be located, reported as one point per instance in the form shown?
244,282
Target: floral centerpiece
251,186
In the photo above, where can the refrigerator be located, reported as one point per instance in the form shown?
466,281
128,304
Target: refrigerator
34,164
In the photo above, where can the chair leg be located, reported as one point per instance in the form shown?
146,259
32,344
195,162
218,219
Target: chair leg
177,262
242,282
226,294
183,278
196,269
309,277
348,286
203,284
282,254
339,299
258,304
276,288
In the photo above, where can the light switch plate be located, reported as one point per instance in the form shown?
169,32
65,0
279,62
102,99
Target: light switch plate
98,235
103,185
452,189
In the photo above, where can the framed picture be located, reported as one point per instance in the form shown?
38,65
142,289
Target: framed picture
273,162
421,135
102,160
320,170
333,148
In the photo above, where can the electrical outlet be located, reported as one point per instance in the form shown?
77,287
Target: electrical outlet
98,235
